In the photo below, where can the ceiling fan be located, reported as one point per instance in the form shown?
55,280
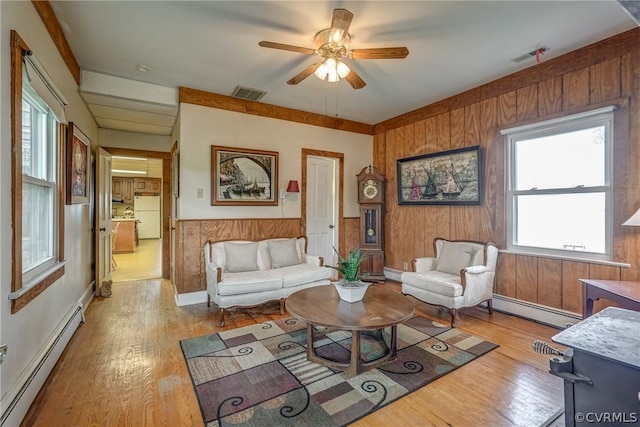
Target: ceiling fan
332,44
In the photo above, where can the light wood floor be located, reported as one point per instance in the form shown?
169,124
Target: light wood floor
124,367
144,263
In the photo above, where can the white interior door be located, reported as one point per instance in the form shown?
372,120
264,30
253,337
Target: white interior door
322,202
103,218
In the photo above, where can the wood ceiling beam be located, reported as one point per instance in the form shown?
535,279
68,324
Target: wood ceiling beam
44,9
224,102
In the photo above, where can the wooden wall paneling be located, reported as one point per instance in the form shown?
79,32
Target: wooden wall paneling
550,96
571,286
506,109
527,103
527,278
575,89
626,76
604,272
379,153
428,215
506,275
604,81
405,142
457,140
393,244
351,234
550,282
493,188
442,214
631,235
418,215
192,258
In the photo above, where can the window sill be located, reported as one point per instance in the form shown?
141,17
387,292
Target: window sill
29,291
567,258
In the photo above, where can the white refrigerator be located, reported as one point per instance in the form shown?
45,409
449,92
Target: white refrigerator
146,209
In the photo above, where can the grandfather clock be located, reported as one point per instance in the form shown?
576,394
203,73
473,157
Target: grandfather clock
371,200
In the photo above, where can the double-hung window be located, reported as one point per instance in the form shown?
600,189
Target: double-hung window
37,109
559,191
39,185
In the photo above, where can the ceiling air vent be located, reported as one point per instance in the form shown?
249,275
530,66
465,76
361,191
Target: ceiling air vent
530,54
248,93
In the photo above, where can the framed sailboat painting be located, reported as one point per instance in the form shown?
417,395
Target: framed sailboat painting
243,177
446,178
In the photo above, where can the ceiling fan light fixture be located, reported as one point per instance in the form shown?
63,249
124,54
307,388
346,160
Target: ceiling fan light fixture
321,72
343,69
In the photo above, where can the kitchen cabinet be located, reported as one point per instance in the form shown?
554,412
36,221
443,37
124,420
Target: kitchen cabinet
147,185
124,237
122,188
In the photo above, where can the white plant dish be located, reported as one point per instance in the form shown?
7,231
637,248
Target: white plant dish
351,293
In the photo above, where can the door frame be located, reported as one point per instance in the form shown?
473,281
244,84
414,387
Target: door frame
166,195
306,152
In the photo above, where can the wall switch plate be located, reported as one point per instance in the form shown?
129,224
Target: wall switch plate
405,266
200,193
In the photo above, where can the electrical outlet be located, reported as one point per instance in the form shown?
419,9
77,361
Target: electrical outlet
405,266
200,193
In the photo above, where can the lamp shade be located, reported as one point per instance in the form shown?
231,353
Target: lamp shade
634,220
293,187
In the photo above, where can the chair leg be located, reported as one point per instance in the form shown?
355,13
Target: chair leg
221,317
454,313
281,305
208,300
490,306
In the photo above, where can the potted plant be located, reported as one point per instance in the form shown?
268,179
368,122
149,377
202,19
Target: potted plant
350,287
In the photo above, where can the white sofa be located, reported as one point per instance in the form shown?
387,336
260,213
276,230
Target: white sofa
461,275
243,273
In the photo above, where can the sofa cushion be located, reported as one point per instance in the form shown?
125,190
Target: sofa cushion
300,274
248,282
434,281
453,257
283,253
240,257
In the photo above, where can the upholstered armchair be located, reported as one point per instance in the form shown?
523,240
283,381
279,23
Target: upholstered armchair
461,275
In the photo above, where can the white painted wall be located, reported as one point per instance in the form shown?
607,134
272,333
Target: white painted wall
27,331
202,127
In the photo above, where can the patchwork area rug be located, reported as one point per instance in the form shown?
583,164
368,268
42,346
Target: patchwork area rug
259,375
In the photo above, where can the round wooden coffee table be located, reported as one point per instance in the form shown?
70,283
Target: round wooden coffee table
380,308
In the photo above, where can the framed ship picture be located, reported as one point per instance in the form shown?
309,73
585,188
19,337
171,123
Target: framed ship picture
243,177
446,178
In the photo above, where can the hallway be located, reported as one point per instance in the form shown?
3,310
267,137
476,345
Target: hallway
144,263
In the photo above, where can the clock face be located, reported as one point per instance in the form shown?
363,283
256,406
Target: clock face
370,189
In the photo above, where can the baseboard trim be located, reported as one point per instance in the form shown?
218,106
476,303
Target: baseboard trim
535,312
191,298
18,399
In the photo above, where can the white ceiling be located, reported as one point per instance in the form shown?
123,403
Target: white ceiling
213,45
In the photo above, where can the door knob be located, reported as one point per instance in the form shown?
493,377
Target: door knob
331,226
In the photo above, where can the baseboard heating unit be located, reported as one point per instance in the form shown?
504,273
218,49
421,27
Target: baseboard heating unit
20,397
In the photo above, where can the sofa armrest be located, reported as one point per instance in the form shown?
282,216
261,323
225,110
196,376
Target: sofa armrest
477,282
313,260
420,265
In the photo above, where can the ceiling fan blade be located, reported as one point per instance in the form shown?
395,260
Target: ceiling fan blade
380,53
298,49
340,23
303,74
355,80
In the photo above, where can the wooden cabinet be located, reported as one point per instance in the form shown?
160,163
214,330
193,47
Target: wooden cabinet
122,188
147,185
124,236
